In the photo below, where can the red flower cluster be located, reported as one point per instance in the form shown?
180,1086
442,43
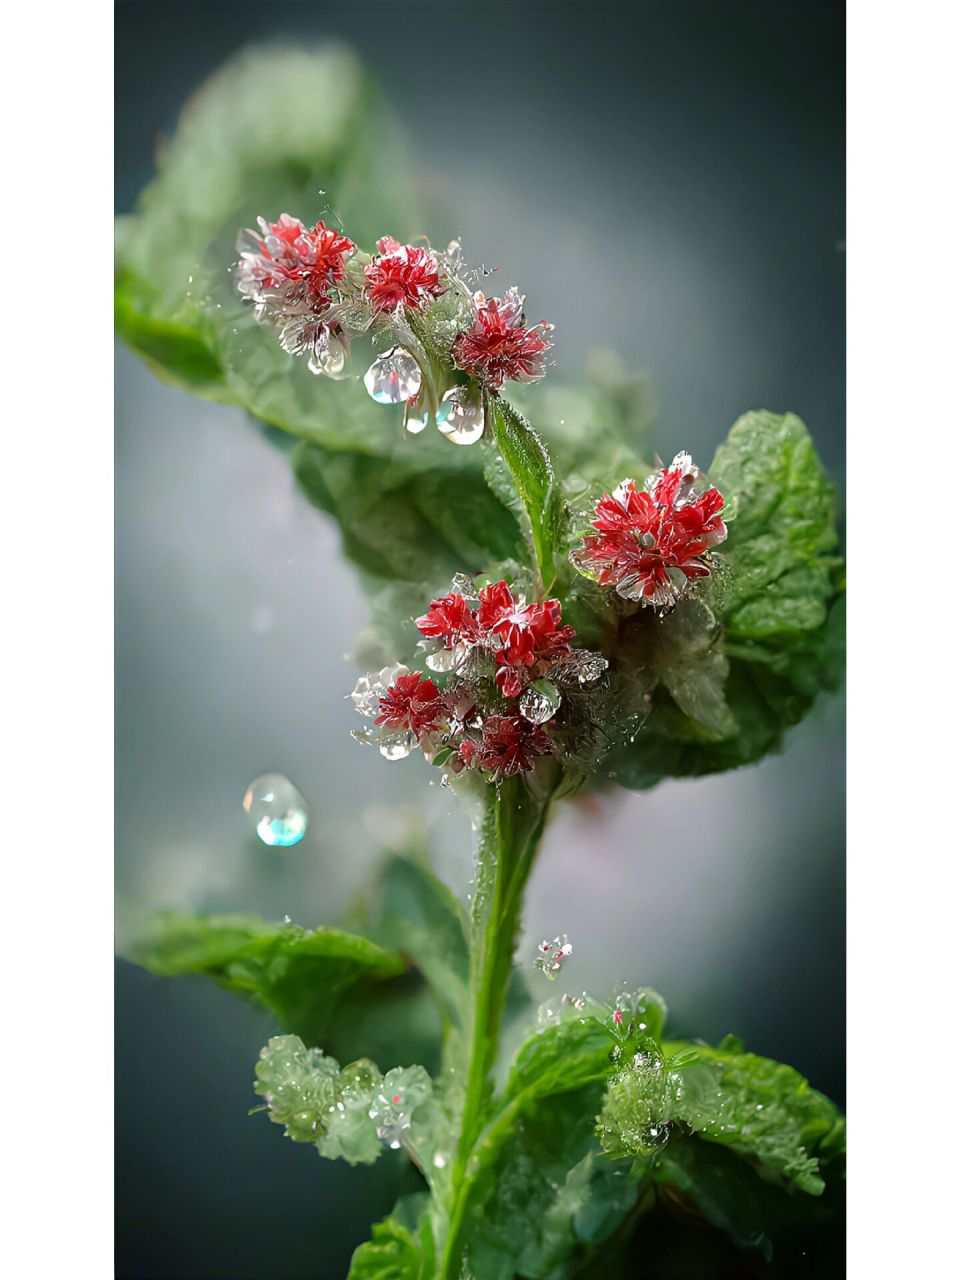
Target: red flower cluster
498,347
651,543
450,619
526,638
286,253
411,703
401,275
471,722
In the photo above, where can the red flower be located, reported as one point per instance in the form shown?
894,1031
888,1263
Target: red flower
401,275
498,347
531,635
510,744
411,703
287,256
450,619
651,543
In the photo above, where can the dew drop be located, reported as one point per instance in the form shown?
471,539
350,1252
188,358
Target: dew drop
415,417
540,701
329,361
460,418
398,748
393,377
277,810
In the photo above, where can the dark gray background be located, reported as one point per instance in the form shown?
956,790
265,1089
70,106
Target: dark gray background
665,181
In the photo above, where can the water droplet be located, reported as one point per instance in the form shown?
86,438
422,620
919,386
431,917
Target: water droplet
398,748
393,377
448,659
591,668
540,701
415,417
552,954
277,810
460,417
328,361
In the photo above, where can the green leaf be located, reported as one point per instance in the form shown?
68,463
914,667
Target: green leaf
724,1190
561,1057
550,1196
300,975
417,914
315,1101
530,469
269,133
763,1110
769,470
391,1254
419,514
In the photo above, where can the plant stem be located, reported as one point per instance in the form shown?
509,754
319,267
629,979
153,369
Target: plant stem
509,835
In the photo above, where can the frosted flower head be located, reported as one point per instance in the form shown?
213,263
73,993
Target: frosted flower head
651,543
498,347
401,276
289,265
404,706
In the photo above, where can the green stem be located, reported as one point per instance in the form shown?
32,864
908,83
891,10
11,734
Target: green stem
508,839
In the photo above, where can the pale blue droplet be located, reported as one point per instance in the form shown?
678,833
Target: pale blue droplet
277,810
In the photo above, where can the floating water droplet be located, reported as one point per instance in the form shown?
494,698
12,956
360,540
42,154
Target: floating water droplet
460,417
551,955
540,701
277,810
393,377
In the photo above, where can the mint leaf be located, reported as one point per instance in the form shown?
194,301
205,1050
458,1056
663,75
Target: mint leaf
726,1192
526,459
551,1194
392,1253
300,975
763,1110
417,914
306,1092
557,1059
419,515
768,470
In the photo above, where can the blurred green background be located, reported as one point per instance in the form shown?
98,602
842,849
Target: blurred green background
664,181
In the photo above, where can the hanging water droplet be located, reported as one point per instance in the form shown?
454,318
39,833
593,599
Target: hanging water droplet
277,810
415,417
540,701
393,377
460,417
398,748
328,361
552,954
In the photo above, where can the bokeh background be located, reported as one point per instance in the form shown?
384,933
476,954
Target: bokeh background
666,182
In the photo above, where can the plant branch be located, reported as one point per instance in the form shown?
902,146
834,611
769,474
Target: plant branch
513,823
